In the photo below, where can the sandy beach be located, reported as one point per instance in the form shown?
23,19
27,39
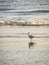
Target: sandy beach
15,51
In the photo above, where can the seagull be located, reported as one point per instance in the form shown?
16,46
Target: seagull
30,35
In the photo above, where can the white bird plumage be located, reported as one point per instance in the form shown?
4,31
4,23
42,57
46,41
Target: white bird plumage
30,35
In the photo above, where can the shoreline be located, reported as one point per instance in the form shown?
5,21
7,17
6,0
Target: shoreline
23,23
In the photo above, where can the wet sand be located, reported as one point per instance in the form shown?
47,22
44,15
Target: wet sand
15,51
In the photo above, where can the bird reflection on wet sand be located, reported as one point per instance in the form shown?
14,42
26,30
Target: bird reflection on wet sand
31,44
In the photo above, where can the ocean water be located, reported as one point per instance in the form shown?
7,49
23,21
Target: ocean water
24,9
14,48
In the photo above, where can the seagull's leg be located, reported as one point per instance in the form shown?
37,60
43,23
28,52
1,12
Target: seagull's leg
31,40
